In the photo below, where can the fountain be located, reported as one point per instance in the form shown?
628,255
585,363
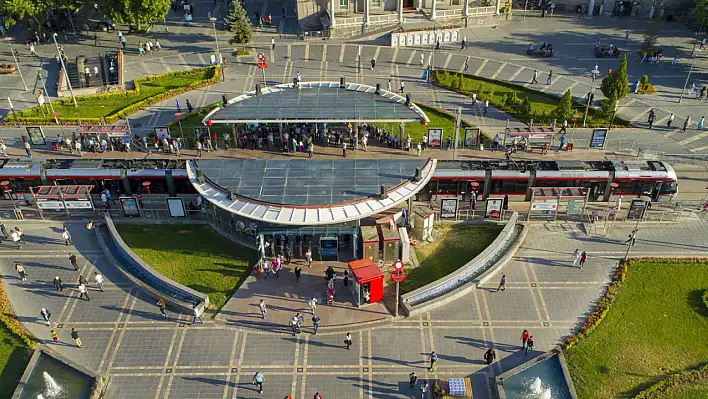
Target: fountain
51,388
544,377
40,396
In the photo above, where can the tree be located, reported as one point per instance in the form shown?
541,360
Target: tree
615,85
650,37
701,12
525,108
564,110
20,9
237,22
135,12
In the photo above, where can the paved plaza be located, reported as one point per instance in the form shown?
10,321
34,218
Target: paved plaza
149,356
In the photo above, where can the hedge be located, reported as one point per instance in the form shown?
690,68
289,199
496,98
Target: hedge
663,387
8,318
130,108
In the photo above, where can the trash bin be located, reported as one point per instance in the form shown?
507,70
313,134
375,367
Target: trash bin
569,147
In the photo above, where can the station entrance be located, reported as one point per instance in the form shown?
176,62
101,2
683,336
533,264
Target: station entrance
327,244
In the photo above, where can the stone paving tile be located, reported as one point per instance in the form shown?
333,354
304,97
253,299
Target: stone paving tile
132,387
199,387
570,304
330,386
103,306
511,304
269,350
94,345
460,346
397,347
330,350
393,386
274,386
207,347
146,310
464,308
143,348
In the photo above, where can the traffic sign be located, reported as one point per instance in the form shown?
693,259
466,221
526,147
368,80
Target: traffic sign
261,56
398,265
262,65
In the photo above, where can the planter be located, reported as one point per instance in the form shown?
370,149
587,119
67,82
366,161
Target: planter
4,70
424,37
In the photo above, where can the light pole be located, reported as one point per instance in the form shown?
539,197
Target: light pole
526,4
218,50
17,62
66,72
633,235
457,131
594,73
693,55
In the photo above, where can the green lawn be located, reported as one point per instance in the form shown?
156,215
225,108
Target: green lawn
542,104
14,356
102,105
437,118
657,325
455,246
689,391
193,255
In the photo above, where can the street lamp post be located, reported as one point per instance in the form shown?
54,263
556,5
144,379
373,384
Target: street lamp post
457,131
66,72
218,50
594,73
17,62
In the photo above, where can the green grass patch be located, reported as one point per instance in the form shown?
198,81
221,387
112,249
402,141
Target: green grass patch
112,106
193,255
694,390
438,119
496,91
655,326
453,248
14,356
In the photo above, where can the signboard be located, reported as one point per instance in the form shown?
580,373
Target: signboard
329,248
36,135
636,209
494,208
435,137
70,204
130,207
176,207
471,136
598,138
162,132
448,208
548,205
575,207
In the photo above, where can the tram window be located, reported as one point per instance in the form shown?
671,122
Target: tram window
156,186
447,187
509,186
669,187
628,187
183,186
555,183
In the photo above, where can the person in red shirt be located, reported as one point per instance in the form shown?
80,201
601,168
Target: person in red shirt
524,338
583,258
317,396
214,141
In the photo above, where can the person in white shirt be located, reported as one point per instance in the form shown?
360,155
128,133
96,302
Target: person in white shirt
99,280
83,292
313,304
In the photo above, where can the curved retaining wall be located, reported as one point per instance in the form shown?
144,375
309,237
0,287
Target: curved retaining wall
143,275
467,278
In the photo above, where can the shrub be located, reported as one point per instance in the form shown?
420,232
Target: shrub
644,80
241,52
8,318
662,388
705,298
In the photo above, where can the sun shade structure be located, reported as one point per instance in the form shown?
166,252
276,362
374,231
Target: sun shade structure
308,192
317,102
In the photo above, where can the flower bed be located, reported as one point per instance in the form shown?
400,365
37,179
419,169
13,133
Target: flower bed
7,68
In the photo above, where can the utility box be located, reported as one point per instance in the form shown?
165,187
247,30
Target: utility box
423,221
370,243
390,243
405,255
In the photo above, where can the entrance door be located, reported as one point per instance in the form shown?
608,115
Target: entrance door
656,192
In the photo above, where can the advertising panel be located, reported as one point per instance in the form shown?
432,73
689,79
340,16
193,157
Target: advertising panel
448,208
471,136
494,208
130,206
435,137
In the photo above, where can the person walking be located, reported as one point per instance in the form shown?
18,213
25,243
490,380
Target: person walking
422,59
583,258
308,257
266,270
293,325
72,259
76,338
21,271
402,87
686,123
316,323
46,315
288,254
524,338
529,344
258,380
16,238
463,43
651,119
99,281
412,379
200,146
576,256
424,390
28,149
262,308
272,44
298,273
701,122
162,306
502,283
373,64
58,284
344,149
671,119
534,76
433,360
467,63
317,396
197,314
632,238
190,108
564,126
549,80
66,236
83,292
348,340
486,106
54,335
313,304
490,355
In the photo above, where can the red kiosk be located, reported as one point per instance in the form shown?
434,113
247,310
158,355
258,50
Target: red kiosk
367,287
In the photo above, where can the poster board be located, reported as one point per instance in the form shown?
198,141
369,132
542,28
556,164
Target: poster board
471,136
494,208
130,207
162,132
545,205
176,207
448,208
575,207
598,138
636,209
435,137
36,135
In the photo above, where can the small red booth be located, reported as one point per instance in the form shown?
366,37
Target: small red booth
367,282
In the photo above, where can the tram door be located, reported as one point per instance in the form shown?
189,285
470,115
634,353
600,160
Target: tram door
656,192
597,190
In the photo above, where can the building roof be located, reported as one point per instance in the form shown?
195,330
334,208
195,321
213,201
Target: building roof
317,102
365,270
307,215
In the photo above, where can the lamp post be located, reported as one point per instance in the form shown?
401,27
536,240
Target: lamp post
633,236
17,62
218,50
693,55
594,73
63,66
613,187
457,131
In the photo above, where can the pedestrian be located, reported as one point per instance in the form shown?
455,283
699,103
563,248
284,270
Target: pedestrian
197,314
671,119
293,325
189,106
418,149
262,308
651,120
486,106
32,50
701,122
632,238
549,80
99,280
412,378
122,42
308,257
16,239
344,149
433,360
313,304
21,271
534,76
58,284
373,64
529,344
179,109
685,123
46,315
564,126
389,85
315,323
3,148
89,225
66,236
583,258
288,254
28,149
258,380
75,336
72,259
157,44
703,44
576,256
82,280
626,35
490,355
162,306
424,390
502,283
467,62
317,396
272,43
402,87
345,278
83,292
266,270
348,340
693,88
524,338
298,272
54,335
474,99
